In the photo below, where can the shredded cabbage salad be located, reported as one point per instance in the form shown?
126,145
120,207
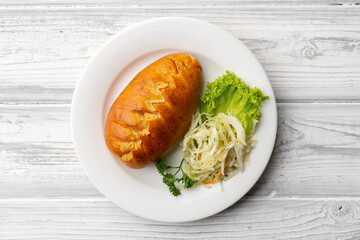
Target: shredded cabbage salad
219,138
215,148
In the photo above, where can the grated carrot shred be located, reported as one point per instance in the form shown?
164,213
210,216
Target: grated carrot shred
214,179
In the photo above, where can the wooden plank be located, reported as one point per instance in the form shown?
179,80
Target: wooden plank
248,218
37,155
316,153
311,53
179,2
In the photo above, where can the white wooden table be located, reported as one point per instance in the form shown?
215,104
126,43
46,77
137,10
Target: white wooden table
311,53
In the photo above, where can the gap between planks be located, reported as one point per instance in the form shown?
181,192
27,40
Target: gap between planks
256,198
181,5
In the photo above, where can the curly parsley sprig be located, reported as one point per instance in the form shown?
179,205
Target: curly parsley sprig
170,179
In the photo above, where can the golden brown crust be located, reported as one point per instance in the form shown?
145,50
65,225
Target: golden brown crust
154,110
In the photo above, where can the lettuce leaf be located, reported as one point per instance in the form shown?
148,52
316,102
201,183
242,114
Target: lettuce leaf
228,94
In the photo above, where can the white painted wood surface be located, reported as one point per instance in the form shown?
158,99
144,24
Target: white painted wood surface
248,218
311,52
303,48
314,156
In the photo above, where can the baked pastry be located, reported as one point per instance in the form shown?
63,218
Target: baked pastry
154,110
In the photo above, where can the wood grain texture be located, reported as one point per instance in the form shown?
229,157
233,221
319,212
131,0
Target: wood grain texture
180,3
248,218
43,49
316,153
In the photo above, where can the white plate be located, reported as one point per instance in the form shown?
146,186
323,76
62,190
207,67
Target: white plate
110,70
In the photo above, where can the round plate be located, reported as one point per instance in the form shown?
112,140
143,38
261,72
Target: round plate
108,72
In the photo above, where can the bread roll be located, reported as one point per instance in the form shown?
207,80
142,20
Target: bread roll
154,110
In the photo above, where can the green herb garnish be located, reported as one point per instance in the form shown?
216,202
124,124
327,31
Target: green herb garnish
170,179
